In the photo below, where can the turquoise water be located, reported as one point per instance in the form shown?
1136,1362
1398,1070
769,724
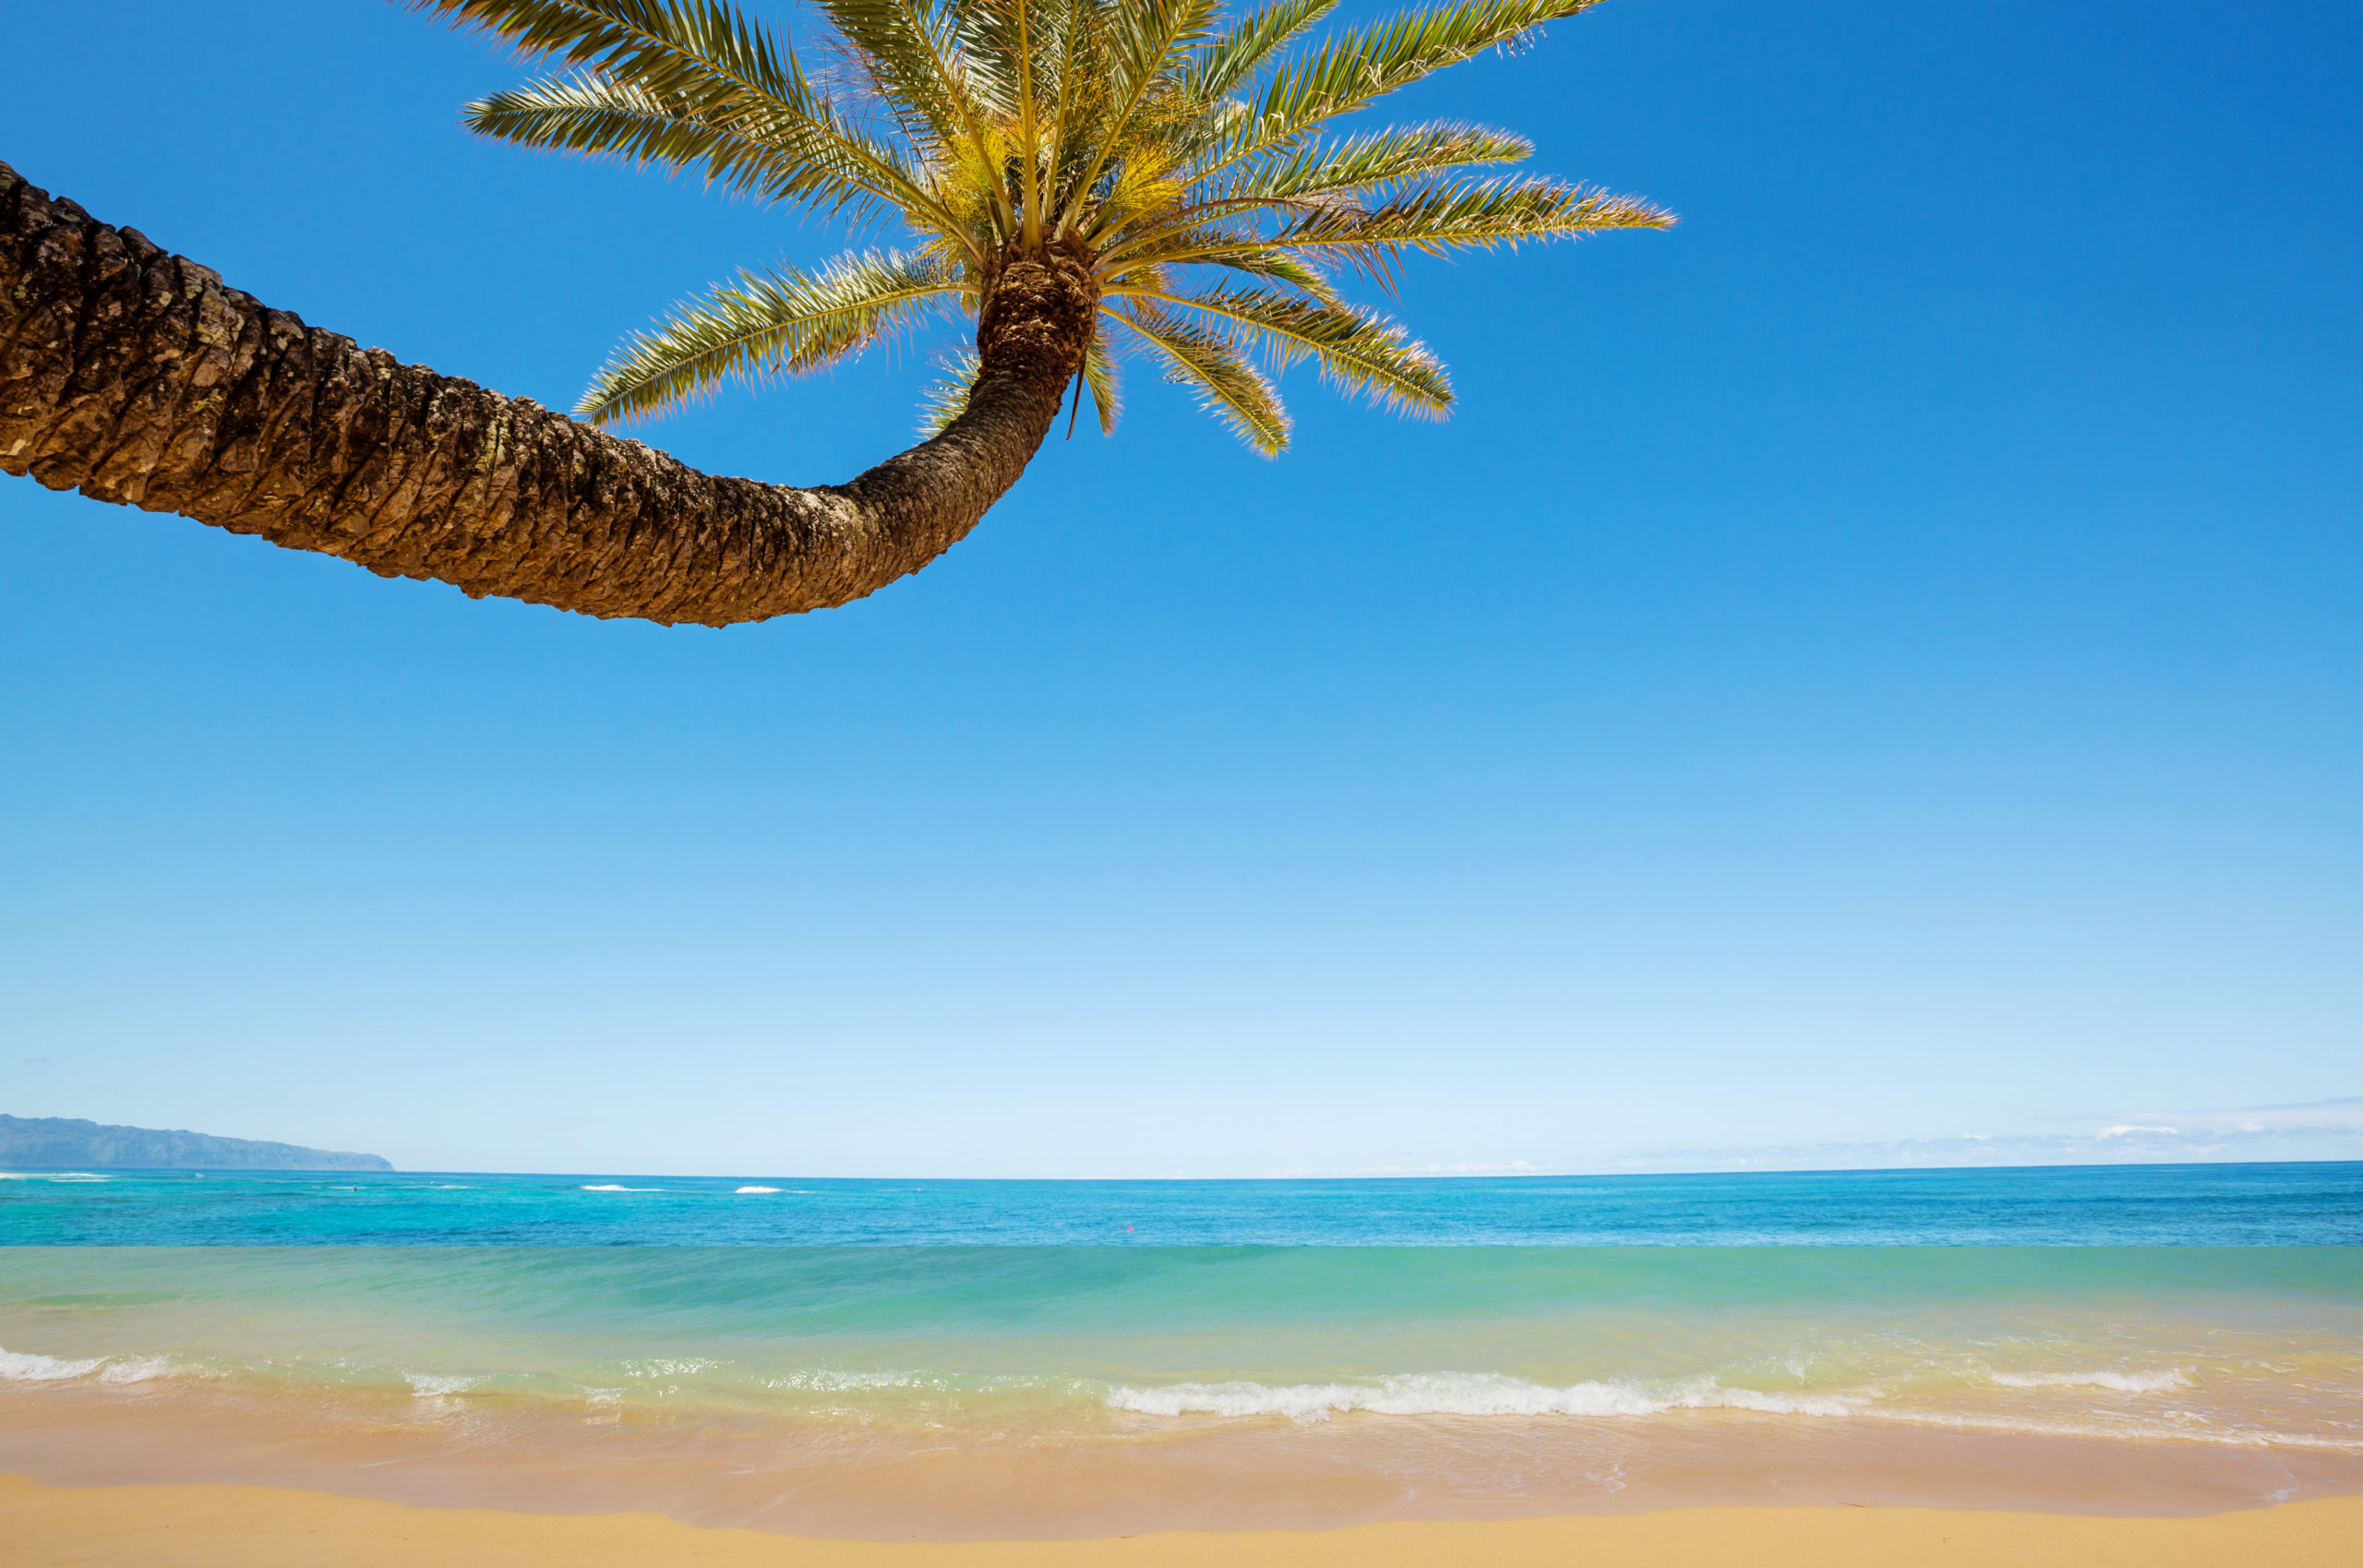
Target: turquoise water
523,1315
2232,1344
2291,1205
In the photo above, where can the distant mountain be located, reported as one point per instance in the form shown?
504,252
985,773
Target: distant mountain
54,1143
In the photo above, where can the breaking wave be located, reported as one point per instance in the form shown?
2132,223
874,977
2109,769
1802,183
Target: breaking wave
24,1366
18,1366
1462,1393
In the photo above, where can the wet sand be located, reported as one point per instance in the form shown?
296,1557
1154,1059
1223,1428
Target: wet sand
1222,1476
224,1526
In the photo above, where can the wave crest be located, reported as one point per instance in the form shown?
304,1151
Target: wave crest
23,1366
2123,1382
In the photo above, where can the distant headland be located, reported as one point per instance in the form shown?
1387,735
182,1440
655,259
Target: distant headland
56,1142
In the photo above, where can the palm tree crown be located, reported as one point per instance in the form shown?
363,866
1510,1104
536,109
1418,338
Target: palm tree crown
1176,155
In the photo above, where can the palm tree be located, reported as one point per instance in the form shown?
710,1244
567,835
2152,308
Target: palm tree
1095,183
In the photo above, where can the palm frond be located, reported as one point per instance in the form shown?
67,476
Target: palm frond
1459,213
599,116
1099,375
1221,64
1236,249
1358,350
703,60
667,47
1209,362
947,400
911,51
1358,67
785,322
1322,175
1356,164
1143,38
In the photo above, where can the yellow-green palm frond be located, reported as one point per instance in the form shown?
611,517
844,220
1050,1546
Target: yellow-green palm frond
783,323
1232,247
1358,67
947,399
1269,262
1224,62
672,48
1357,351
1209,362
1316,177
910,50
1358,164
1105,385
1145,184
1461,213
1077,83
690,62
598,115
1145,40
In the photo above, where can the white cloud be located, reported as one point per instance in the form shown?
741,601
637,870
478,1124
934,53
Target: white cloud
2319,1129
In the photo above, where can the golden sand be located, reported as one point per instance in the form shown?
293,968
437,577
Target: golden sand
227,1526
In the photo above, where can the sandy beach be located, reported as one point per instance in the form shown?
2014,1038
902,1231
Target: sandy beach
220,1527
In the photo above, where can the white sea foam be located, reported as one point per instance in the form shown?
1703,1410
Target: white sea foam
2123,1382
612,1187
52,1175
826,1380
429,1386
1461,1394
686,1366
2167,1431
136,1369
758,1188
22,1366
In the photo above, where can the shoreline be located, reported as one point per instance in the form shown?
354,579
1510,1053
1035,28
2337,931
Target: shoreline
1227,1479
220,1526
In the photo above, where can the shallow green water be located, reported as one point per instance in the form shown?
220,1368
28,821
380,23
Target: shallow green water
2232,1344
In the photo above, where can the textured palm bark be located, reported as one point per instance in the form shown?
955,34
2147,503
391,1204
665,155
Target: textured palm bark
137,378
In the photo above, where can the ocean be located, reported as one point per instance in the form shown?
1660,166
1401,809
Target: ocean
973,1358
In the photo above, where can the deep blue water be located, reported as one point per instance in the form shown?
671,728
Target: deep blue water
2277,1204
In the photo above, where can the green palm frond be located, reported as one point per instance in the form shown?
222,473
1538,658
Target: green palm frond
911,51
1146,38
947,399
1270,263
1480,213
1210,363
594,115
701,61
1225,62
672,48
1374,157
1362,66
1319,176
1099,375
1357,351
783,323
1233,246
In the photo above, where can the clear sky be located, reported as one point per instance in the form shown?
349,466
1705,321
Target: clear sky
1879,663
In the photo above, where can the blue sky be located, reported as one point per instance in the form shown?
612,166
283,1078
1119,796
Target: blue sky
1874,666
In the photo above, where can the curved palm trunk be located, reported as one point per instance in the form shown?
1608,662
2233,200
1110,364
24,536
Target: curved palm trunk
136,377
